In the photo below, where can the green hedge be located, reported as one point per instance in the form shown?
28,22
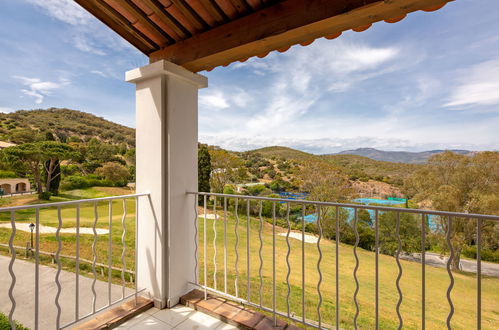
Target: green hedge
487,255
79,182
7,175
5,325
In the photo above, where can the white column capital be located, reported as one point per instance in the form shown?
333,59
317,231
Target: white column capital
165,68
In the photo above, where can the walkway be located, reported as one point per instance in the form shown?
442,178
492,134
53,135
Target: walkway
24,293
435,260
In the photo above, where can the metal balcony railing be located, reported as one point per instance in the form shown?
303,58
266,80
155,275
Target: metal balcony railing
227,211
95,207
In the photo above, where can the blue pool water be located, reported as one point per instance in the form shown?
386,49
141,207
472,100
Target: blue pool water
369,201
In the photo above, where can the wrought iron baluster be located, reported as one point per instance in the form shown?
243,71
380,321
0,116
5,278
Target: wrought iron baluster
123,252
399,276
287,259
11,271
273,266
355,219
303,262
94,260
337,237
77,265
110,254
225,244
248,283
237,248
205,250
59,268
196,247
423,271
319,225
37,267
260,251
215,242
376,248
449,271
479,274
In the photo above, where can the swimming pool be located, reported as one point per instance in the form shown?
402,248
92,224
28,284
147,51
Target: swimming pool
369,201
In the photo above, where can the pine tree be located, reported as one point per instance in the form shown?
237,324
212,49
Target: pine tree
204,168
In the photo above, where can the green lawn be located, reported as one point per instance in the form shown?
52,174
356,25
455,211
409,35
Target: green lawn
48,217
437,281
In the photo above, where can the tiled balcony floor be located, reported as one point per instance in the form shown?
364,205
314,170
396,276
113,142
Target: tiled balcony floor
178,317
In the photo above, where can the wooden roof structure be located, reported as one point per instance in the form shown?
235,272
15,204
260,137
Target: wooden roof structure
203,34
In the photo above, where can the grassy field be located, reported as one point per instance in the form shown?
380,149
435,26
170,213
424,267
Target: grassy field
437,280
48,217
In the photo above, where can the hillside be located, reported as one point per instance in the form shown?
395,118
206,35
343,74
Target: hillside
360,167
355,167
65,124
399,156
283,152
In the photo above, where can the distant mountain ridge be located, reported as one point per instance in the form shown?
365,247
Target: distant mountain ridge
400,156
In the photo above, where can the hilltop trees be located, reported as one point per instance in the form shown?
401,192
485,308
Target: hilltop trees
458,183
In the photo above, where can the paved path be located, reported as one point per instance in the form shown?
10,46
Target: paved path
24,294
434,259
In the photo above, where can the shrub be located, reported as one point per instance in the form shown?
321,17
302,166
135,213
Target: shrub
79,182
486,255
45,196
7,174
5,325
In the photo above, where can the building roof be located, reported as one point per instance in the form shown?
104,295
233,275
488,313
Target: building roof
203,34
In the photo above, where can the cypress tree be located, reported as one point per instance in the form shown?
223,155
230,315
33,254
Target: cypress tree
204,168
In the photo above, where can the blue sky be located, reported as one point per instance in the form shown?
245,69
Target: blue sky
430,81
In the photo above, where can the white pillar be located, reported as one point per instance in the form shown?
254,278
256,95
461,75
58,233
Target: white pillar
166,167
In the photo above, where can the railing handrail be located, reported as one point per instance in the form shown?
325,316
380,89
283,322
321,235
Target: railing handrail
79,201
355,206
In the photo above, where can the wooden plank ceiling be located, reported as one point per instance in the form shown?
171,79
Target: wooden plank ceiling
203,34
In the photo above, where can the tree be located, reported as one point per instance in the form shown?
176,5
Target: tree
56,179
114,172
38,155
224,169
459,183
204,168
52,153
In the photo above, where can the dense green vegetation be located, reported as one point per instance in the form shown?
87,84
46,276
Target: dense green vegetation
66,149
67,125
5,325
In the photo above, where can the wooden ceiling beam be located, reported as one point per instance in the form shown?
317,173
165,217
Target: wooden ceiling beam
191,15
241,6
287,23
167,18
144,19
119,24
215,11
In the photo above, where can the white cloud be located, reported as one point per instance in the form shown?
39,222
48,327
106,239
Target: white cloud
99,73
214,100
479,86
85,44
6,109
38,89
67,11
